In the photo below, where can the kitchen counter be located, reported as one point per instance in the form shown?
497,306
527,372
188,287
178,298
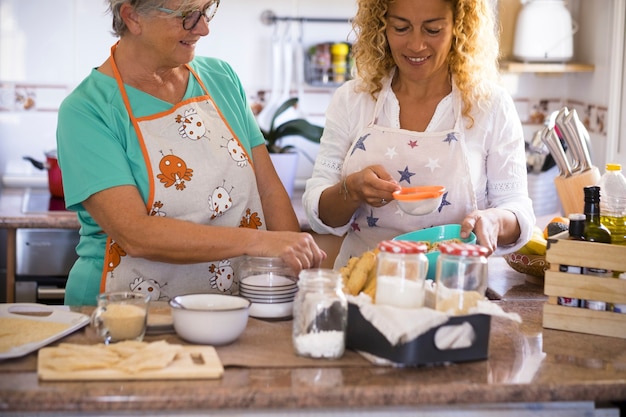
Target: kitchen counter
528,367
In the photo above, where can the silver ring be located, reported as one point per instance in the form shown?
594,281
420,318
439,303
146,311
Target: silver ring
383,201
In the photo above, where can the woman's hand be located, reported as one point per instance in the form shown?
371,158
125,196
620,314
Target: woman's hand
491,226
372,185
298,250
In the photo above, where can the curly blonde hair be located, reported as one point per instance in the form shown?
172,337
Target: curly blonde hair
472,60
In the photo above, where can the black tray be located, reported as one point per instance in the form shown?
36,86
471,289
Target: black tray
363,336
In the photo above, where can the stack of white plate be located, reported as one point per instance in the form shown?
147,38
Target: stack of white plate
271,295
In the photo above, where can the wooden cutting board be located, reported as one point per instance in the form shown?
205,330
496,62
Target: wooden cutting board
197,362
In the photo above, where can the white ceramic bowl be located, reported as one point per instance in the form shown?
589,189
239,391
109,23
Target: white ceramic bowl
209,319
419,201
271,310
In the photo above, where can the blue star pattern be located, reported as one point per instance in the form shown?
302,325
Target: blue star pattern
444,202
406,175
371,220
450,137
360,143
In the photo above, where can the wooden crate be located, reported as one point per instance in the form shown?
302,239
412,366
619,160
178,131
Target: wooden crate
562,251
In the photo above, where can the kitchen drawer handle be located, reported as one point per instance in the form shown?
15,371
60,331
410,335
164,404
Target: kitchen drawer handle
50,293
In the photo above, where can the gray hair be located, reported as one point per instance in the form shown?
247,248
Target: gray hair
141,6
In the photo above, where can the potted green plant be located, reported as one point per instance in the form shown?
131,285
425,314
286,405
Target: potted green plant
285,157
294,127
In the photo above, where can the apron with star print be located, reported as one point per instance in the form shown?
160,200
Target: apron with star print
412,159
199,172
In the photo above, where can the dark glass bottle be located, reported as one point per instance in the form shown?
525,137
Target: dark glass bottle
576,226
594,230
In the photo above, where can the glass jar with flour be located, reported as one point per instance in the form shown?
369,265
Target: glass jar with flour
320,314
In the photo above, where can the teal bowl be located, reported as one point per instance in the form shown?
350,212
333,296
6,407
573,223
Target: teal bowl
433,235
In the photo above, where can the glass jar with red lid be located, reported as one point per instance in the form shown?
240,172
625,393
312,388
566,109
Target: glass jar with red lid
461,277
401,273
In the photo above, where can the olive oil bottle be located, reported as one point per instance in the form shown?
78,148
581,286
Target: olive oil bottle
613,203
594,230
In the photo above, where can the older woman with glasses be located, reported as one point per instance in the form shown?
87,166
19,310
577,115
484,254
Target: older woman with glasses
165,165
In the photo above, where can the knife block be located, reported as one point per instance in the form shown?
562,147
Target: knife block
571,189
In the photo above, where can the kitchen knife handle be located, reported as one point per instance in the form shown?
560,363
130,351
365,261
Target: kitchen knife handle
552,141
569,136
583,138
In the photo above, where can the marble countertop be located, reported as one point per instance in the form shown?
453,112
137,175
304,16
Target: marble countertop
14,216
526,364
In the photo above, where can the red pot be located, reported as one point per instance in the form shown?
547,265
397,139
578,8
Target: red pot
55,183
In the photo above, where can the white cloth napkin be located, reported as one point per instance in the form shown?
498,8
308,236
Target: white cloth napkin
401,325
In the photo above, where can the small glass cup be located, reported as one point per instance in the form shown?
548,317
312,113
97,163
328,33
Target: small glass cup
121,316
461,277
401,273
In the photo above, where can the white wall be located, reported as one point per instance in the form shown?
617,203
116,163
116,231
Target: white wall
48,46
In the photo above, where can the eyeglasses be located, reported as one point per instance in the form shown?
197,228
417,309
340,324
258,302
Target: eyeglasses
192,17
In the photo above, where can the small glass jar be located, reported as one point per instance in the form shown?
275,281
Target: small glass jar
320,314
461,277
401,273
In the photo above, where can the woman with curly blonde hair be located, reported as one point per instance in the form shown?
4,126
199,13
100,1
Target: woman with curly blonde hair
425,108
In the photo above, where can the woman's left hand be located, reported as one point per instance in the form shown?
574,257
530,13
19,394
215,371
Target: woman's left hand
490,227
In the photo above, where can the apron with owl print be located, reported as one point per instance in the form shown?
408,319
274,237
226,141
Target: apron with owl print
412,159
199,172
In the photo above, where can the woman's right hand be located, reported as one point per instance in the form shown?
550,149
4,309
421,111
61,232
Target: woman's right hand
297,249
372,185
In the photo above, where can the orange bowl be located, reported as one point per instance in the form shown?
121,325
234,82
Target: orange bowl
418,201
